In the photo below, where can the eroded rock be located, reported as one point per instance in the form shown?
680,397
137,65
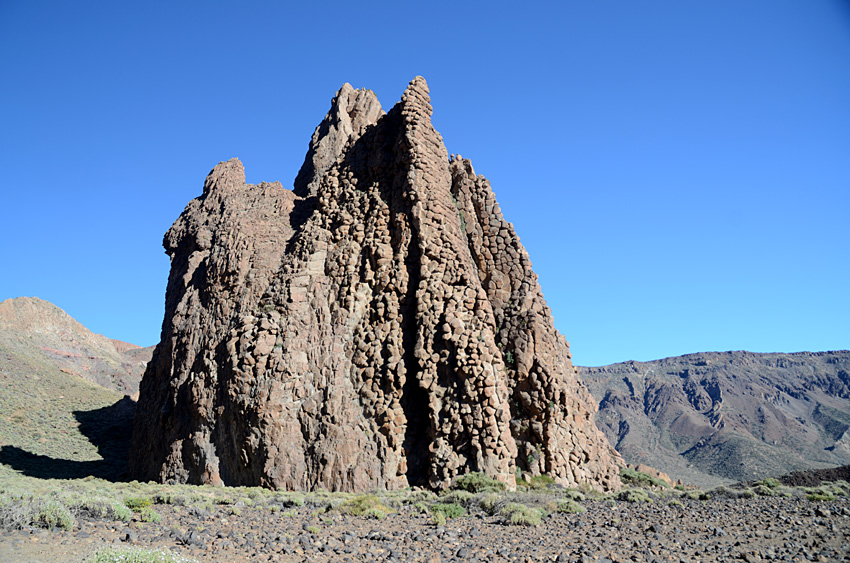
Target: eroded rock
379,327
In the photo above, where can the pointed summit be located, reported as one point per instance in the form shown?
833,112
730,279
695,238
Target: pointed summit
227,174
417,95
351,112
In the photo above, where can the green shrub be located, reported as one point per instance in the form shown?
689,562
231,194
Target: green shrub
18,513
570,506
575,495
476,482
313,529
53,514
363,505
488,502
421,507
818,495
375,513
459,497
745,493
164,497
640,479
770,482
521,515
293,500
137,504
103,508
147,514
675,502
763,490
438,518
541,482
838,488
449,510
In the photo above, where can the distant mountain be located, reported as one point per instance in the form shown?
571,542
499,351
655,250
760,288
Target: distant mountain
717,417
34,331
63,410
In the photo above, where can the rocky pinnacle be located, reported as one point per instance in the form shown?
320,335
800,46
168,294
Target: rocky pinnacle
378,327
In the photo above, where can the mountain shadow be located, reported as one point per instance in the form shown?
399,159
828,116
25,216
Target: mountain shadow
107,428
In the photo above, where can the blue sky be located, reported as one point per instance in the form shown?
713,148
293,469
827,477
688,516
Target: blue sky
678,171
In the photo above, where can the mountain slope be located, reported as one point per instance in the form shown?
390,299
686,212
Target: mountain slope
715,417
42,332
63,405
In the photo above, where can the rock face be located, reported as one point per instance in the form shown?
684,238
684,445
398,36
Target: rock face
378,327
716,417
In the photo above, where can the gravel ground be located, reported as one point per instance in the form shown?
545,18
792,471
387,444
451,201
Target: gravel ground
756,529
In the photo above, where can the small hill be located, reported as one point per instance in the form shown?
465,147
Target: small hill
36,330
718,417
64,404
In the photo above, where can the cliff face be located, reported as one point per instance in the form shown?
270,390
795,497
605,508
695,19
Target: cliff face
378,327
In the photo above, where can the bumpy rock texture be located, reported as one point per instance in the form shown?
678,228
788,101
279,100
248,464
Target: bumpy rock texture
378,327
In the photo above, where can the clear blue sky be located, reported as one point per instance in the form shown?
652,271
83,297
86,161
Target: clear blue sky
678,171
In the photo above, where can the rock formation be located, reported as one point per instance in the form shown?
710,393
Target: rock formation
378,327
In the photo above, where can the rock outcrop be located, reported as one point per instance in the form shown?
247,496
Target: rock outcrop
378,327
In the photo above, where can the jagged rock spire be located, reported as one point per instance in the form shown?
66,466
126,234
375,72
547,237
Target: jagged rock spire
351,112
380,328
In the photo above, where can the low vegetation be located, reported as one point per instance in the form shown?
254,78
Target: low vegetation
27,502
639,479
136,555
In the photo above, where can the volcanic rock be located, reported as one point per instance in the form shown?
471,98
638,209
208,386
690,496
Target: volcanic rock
378,327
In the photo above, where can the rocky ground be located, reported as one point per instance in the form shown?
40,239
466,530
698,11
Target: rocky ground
754,529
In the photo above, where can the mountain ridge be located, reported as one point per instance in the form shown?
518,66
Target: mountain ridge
716,417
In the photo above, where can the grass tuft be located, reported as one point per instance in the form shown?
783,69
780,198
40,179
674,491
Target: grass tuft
449,510
520,515
368,506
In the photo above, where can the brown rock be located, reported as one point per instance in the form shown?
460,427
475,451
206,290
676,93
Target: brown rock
380,327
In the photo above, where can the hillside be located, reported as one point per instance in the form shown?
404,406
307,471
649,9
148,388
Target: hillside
716,417
63,405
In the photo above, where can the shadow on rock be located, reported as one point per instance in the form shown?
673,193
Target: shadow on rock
107,428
